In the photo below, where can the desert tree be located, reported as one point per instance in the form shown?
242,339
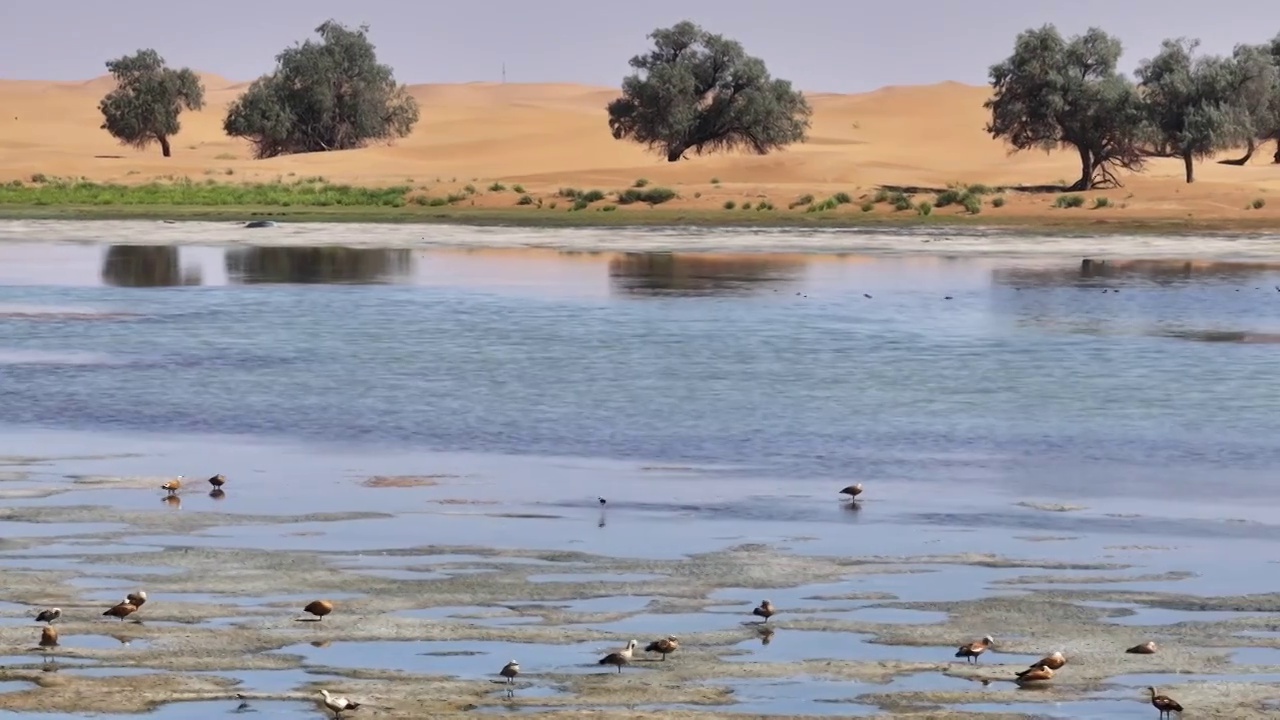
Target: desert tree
148,98
1192,103
1258,95
1056,93
702,92
327,95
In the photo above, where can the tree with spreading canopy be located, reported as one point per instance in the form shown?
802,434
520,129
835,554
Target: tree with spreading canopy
148,98
1053,93
326,95
702,92
1194,104
1259,95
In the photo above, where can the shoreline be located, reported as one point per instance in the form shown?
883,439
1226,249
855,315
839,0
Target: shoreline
884,241
1074,222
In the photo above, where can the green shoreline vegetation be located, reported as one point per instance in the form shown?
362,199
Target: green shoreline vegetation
314,199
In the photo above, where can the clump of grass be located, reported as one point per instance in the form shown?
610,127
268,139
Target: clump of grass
1258,203
947,197
469,189
979,189
640,182
580,204
1069,201
697,195
972,204
900,201
569,193
805,199
997,201
517,188
438,202
881,195
456,198
497,187
552,205
191,193
868,206
729,204
39,178
608,208
653,196
525,200
842,198
1101,202
224,156
746,206
924,208
592,196
764,205
715,181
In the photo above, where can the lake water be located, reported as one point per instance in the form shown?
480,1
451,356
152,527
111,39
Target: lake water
727,395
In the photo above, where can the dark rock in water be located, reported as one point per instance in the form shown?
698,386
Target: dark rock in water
260,223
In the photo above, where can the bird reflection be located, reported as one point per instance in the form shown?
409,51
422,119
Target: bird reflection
766,635
217,493
243,706
172,501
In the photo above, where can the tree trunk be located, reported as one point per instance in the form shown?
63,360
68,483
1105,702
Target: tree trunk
1275,159
1189,162
164,145
1086,171
1248,153
675,152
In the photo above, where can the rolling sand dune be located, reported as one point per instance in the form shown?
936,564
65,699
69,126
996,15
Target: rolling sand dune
547,136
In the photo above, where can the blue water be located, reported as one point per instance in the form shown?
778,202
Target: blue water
768,364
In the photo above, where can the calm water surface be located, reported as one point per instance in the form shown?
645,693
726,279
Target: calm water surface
1127,380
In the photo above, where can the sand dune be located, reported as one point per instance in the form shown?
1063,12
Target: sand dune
546,136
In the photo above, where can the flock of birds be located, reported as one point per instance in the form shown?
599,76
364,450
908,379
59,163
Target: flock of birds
1038,673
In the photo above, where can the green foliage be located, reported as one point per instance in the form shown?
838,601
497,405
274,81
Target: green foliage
592,196
525,200
1193,104
806,199
497,187
438,202
608,208
1069,201
326,95
715,181
641,182
653,196
517,188
746,206
764,205
972,204
456,198
900,201
924,208
1258,203
947,197
979,189
470,189
997,201
1101,202
881,195
187,192
701,92
580,204
1054,93
867,206
843,198
729,204
148,99
569,193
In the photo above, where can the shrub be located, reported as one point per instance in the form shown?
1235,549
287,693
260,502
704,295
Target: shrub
1259,203
715,181
455,197
764,205
469,189
497,187
746,206
729,205
658,195
868,206
979,189
971,203
524,200
569,193
608,208
552,206
924,208
517,188
842,198
900,201
640,182
881,195
580,204
591,196
805,199
1101,202
1069,201
947,197
997,201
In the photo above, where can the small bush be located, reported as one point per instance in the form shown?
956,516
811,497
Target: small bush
456,197
1069,201
524,200
715,181
608,208
469,189
972,203
1101,202
1259,203
729,204
580,204
658,195
764,205
438,202
569,193
497,187
420,200
868,206
924,208
552,206
591,196
997,201
640,182
900,201
842,198
746,206
39,178
517,188
979,189
881,195
697,195
805,199
947,197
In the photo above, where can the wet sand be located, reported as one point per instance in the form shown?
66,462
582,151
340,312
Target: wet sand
438,585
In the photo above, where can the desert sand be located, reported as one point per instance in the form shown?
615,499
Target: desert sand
547,136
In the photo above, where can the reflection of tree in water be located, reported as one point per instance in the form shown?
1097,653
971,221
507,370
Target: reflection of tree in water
145,266
1091,273
700,274
317,264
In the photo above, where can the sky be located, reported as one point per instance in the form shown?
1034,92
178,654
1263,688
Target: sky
821,45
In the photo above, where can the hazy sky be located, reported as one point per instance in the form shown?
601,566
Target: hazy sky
821,46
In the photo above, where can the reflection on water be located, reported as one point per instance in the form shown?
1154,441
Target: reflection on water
255,265
1159,272
145,266
700,274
